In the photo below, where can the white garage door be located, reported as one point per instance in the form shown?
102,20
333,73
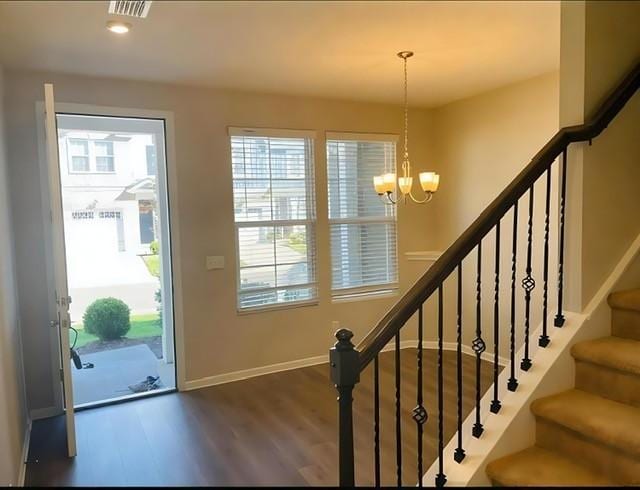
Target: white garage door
94,232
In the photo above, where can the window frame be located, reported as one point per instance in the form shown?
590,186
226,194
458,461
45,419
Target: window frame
369,291
310,223
91,156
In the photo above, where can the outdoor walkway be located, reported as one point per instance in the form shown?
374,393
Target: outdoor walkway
114,370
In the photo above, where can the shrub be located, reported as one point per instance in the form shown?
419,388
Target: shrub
154,246
107,318
297,238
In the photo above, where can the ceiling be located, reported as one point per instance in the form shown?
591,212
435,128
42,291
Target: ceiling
328,49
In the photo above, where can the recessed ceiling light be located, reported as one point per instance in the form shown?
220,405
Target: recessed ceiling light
118,27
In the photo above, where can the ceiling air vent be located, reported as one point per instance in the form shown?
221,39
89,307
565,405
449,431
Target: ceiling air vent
132,8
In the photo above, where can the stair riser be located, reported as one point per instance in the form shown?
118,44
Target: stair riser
610,462
625,323
608,383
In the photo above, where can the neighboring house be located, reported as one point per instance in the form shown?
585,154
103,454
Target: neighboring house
109,203
109,177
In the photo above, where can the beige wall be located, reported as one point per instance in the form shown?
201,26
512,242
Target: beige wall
612,164
481,143
217,339
13,419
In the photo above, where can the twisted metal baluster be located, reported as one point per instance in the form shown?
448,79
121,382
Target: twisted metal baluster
544,340
559,320
495,403
528,283
398,414
441,478
419,413
478,344
459,454
376,419
512,385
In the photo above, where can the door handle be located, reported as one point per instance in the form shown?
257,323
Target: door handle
54,323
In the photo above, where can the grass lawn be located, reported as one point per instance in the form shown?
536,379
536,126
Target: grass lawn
153,264
141,326
298,247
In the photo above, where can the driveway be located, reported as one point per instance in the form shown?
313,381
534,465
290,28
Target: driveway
120,275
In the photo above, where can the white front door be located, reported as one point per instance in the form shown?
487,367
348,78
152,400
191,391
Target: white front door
62,321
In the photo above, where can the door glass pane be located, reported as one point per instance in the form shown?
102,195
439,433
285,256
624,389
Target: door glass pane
117,253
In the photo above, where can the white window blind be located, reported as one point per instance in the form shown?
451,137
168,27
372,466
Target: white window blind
274,207
362,228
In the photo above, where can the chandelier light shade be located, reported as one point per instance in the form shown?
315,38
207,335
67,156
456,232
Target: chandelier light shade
385,184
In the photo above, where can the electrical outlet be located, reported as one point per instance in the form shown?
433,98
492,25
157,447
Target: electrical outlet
215,262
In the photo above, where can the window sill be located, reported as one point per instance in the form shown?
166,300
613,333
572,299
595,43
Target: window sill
276,307
370,295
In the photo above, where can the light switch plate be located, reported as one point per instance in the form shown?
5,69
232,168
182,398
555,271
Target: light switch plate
215,262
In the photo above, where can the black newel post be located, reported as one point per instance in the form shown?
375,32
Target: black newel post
345,373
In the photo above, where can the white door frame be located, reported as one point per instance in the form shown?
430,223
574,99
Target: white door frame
172,236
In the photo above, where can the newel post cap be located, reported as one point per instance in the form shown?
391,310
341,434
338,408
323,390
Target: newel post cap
344,360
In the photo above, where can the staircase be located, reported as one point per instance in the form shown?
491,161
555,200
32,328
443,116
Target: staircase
590,435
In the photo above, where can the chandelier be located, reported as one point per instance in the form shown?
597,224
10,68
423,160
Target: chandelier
385,184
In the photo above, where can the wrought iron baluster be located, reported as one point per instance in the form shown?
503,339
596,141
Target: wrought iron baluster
459,454
512,385
528,283
478,344
419,413
495,403
441,479
398,414
559,320
544,340
376,420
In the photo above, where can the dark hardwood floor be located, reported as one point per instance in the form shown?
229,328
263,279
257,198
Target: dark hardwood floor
278,429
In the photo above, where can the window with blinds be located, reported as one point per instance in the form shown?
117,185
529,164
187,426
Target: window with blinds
274,208
362,227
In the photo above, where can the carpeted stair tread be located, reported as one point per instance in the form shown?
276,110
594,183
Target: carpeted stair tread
612,352
605,421
625,300
539,467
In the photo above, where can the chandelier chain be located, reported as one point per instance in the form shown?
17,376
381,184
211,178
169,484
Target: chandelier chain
405,160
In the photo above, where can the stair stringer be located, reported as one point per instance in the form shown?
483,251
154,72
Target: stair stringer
513,429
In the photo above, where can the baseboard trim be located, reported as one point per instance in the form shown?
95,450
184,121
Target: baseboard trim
252,373
314,361
44,413
25,454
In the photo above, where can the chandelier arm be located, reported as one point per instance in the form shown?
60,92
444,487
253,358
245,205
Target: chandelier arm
428,197
388,201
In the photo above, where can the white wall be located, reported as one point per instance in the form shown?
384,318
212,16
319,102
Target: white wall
13,418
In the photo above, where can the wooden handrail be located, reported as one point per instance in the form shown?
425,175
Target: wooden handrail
400,313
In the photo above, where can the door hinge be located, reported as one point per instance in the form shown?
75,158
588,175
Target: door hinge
61,375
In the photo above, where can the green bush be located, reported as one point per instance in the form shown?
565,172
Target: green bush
107,318
155,247
297,238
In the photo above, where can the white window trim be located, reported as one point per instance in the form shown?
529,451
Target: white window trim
311,222
93,162
373,291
